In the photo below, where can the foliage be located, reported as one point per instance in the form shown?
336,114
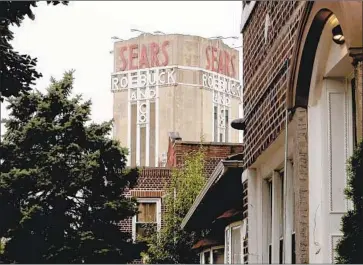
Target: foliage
2,247
349,248
62,182
17,71
172,244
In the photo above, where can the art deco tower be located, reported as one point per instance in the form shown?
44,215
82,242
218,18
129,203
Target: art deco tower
173,83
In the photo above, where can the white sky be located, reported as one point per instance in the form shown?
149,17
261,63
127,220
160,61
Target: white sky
78,36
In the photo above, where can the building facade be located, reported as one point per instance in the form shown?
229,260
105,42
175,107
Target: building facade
165,83
218,210
302,76
152,183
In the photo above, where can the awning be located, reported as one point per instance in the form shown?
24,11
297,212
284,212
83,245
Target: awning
230,213
222,192
206,242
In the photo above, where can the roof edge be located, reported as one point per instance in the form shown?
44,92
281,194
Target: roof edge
221,168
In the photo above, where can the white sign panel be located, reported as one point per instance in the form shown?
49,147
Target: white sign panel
222,84
143,78
166,76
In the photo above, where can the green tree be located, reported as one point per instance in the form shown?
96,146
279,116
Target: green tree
17,71
62,181
172,244
350,247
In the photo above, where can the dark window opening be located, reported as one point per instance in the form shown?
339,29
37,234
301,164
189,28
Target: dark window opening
269,254
293,254
207,257
227,125
270,223
218,256
281,251
146,222
215,124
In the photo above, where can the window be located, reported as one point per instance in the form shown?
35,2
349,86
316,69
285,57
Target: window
148,218
214,255
215,124
226,248
236,245
281,251
227,125
293,254
274,220
234,240
218,256
206,256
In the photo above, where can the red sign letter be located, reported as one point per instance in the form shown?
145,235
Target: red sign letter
227,62
154,54
220,63
207,54
214,57
132,55
165,52
123,59
144,62
233,66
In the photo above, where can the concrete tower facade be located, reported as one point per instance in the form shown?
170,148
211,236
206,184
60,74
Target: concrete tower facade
173,83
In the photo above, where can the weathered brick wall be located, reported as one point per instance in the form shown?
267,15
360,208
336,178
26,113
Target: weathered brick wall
358,73
214,152
265,72
151,184
301,175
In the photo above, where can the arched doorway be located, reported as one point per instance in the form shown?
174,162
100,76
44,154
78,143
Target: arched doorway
325,85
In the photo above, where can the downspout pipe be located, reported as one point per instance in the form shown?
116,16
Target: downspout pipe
288,111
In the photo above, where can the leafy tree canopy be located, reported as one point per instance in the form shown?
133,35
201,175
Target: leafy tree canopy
17,71
62,182
173,245
349,248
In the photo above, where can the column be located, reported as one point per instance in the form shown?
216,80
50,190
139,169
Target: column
138,136
357,55
252,229
266,218
276,213
301,185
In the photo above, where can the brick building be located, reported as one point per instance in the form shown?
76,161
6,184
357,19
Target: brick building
150,188
149,192
214,152
302,76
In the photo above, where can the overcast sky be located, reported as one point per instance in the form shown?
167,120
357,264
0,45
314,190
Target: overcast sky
78,36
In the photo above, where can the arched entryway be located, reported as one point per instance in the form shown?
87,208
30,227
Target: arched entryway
324,82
